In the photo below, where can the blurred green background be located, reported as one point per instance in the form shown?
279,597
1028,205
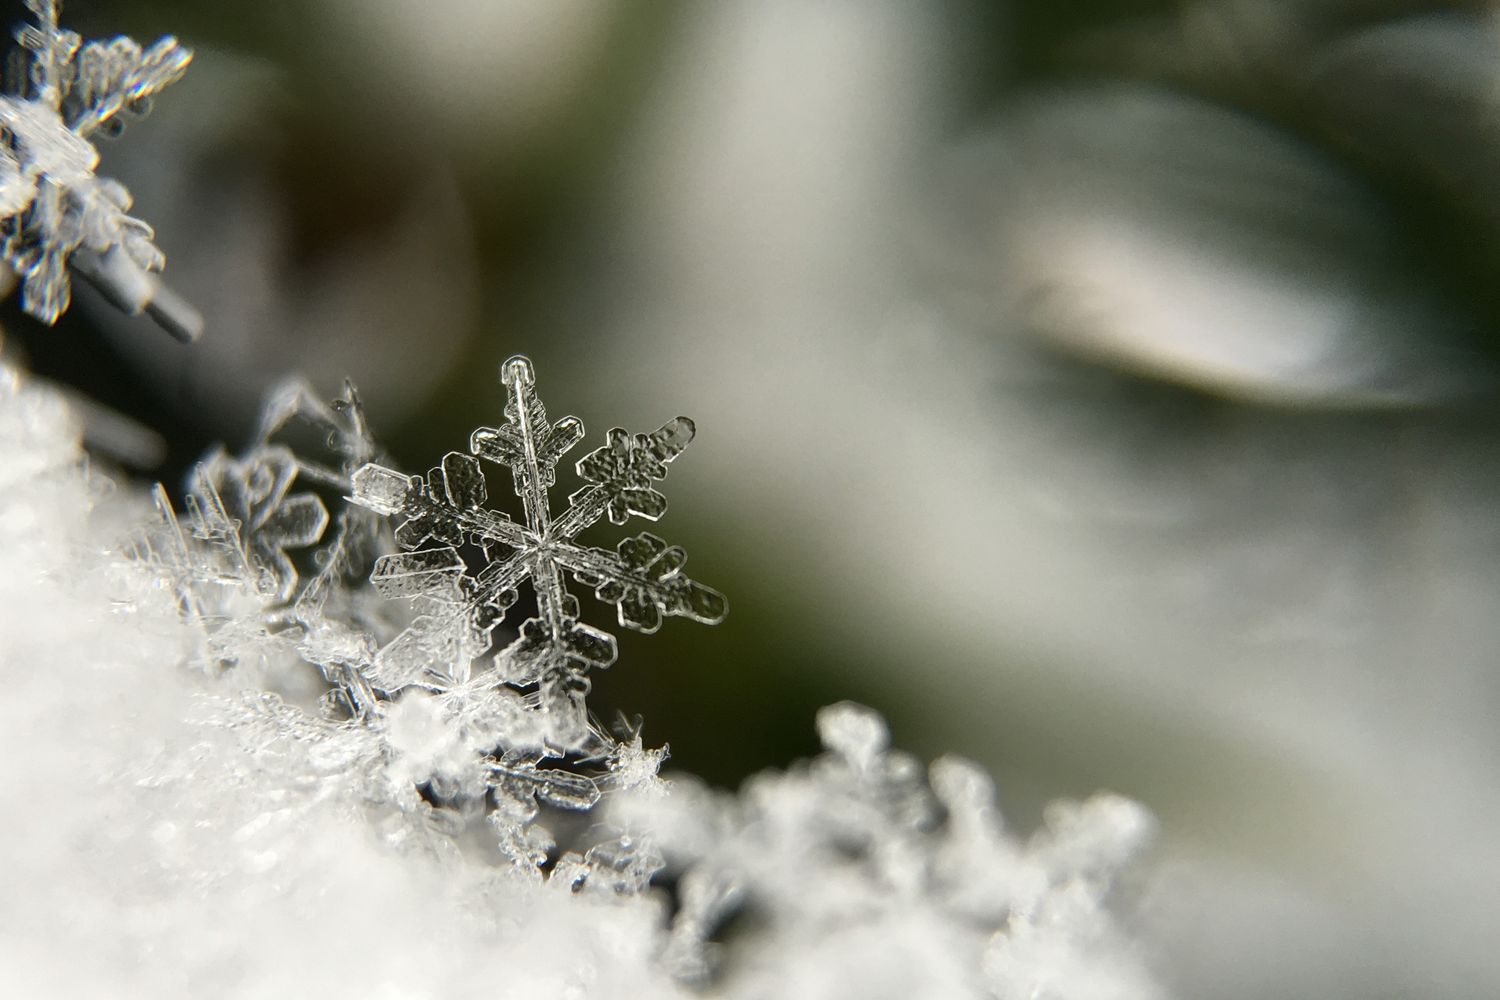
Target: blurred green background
1102,390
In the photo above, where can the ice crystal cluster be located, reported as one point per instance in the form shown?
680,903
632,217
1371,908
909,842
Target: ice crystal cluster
248,768
57,213
505,740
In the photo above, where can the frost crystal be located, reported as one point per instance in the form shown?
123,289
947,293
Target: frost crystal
57,212
887,866
446,509
249,521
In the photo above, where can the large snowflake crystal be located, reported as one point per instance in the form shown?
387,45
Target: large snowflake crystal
445,510
57,212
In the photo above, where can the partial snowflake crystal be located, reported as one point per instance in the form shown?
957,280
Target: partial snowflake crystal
253,493
473,749
520,787
623,866
349,764
250,519
446,509
339,623
57,211
626,861
202,558
633,767
882,862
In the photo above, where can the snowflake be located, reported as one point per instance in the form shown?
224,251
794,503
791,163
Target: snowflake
642,577
57,212
250,520
291,412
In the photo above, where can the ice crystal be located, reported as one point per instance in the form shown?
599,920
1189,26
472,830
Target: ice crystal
884,862
340,625
249,520
446,509
58,213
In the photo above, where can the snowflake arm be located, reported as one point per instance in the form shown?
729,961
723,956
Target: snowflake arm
115,75
624,469
445,505
525,443
643,579
523,774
